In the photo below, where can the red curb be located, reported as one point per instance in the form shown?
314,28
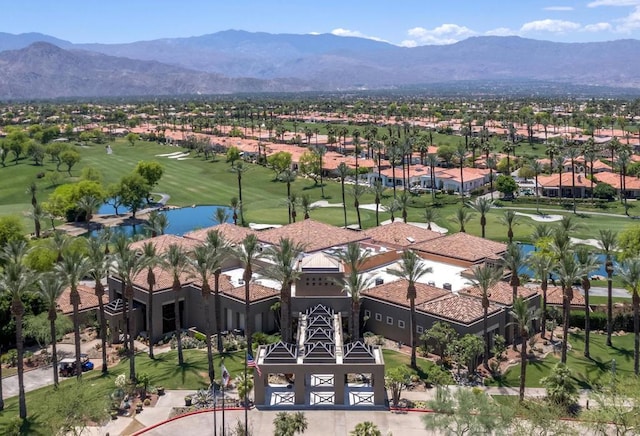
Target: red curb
184,415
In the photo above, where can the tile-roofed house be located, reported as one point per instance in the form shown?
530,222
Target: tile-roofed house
257,292
555,297
461,248
232,233
313,235
501,292
396,292
88,300
399,234
457,308
164,279
163,242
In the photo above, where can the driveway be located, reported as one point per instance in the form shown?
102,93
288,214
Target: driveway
34,379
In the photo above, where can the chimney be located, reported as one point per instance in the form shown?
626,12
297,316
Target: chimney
579,178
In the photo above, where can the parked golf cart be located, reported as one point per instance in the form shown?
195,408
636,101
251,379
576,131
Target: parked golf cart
67,366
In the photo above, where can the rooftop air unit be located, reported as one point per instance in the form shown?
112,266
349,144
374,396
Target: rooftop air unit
447,286
379,281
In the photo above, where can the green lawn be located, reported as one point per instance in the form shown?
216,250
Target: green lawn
585,371
163,371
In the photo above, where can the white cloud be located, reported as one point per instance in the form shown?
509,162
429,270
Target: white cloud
630,22
558,8
597,27
408,43
596,3
443,34
548,25
501,31
354,33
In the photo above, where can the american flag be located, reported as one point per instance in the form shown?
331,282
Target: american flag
252,364
226,377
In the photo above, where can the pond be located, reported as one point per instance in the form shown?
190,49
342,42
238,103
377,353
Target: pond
181,221
528,248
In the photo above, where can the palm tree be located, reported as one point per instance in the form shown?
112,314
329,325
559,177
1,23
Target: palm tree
537,168
240,168
16,281
126,265
568,224
73,268
523,317
320,151
568,272
51,287
509,219
99,268
366,428
203,268
403,202
485,277
343,172
59,243
461,152
608,241
157,223
508,148
541,231
248,252
284,258
288,176
235,207
588,262
176,261
221,215
378,192
573,153
491,164
514,261
462,217
411,269
432,160
430,216
305,203
354,258
218,249
629,273
37,214
358,191
541,265
88,204
150,260
289,423
483,206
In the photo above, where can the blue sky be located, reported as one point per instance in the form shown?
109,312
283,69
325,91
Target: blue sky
400,22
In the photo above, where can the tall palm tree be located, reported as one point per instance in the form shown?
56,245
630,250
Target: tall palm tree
541,265
430,216
283,258
51,287
203,268
432,160
157,223
354,257
482,205
461,152
59,243
485,277
150,259
537,168
239,169
305,203
378,192
523,317
37,214
72,269
508,148
234,204
357,192
411,269
462,217
126,265
608,241
320,151
343,172
492,163
175,260
88,204
541,231
218,249
629,273
16,280
98,269
403,202
514,261
288,176
573,153
589,263
248,252
509,219
568,272
221,215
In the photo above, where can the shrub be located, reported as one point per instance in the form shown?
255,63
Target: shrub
147,402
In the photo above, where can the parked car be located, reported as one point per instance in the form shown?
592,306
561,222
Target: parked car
67,366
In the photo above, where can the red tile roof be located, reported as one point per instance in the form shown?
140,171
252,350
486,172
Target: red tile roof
501,292
463,246
400,234
396,292
88,300
555,296
232,233
163,242
458,308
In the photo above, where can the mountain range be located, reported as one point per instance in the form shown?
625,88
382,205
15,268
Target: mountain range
41,66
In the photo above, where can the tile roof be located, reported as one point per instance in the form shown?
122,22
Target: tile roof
232,233
457,308
257,292
88,300
314,235
551,181
501,292
163,242
400,234
396,292
463,246
554,296
164,279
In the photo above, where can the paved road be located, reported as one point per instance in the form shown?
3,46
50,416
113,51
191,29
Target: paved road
597,291
34,379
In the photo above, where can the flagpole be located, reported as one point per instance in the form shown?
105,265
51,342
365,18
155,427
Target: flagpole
223,383
246,395
215,405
